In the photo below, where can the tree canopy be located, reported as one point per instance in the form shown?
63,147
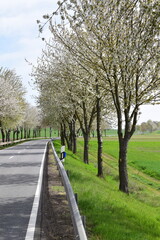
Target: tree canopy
106,55
12,102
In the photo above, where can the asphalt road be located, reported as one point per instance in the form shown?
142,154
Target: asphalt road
19,175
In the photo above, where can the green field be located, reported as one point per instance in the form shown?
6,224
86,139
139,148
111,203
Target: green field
143,153
112,215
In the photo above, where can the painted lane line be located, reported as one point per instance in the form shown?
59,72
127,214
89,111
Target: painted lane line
34,212
11,157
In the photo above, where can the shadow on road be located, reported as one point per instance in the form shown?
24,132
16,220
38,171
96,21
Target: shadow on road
14,216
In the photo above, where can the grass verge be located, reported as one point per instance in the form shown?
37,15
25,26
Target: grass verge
112,215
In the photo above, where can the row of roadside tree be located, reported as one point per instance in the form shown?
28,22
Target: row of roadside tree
17,117
102,61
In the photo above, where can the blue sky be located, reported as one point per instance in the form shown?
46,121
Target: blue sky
19,40
19,36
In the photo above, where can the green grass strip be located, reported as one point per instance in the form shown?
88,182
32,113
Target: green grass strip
112,215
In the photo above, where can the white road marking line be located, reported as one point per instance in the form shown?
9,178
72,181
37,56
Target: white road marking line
11,157
34,212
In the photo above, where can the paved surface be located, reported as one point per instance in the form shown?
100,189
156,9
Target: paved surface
19,173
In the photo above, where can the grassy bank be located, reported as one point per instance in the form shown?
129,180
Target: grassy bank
112,215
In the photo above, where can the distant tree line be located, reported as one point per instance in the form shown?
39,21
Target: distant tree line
149,126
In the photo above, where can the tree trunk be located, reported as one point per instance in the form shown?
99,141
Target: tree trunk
21,132
99,134
17,132
62,135
123,174
99,139
74,138
3,135
69,146
25,133
70,138
86,124
67,138
86,147
8,135
28,133
105,132
33,133
14,133
50,131
6,132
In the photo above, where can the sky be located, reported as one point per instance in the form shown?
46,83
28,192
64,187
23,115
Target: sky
19,37
20,40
